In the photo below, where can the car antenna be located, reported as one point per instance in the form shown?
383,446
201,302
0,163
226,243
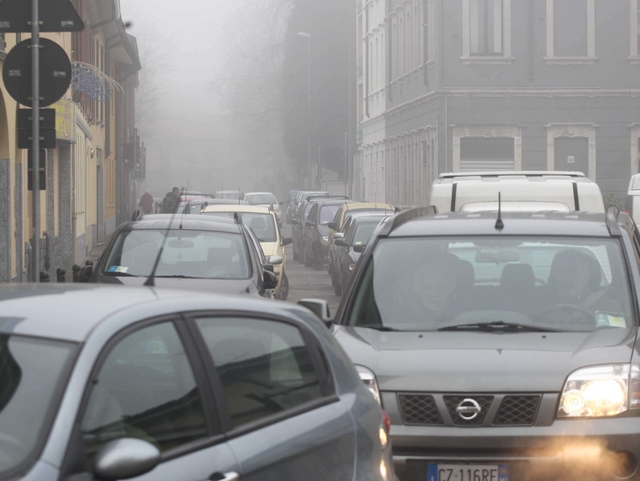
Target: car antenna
184,211
499,223
151,280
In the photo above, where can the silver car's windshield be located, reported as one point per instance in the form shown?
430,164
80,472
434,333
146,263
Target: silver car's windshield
263,225
566,284
32,373
187,253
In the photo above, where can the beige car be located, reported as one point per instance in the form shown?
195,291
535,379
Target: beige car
264,224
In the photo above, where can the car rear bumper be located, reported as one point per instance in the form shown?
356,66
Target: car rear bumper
568,450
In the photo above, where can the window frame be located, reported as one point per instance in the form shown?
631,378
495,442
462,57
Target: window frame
591,57
574,130
468,58
74,459
489,131
317,353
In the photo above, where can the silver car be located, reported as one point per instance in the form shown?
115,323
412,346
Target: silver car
109,383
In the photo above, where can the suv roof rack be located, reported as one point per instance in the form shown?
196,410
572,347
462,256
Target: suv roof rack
612,221
406,216
512,173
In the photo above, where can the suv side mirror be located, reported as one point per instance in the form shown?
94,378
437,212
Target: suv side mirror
359,248
338,235
341,242
320,308
125,458
86,272
270,280
309,223
286,241
332,226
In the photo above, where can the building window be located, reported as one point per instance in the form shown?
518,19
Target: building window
572,147
571,27
486,31
634,56
487,148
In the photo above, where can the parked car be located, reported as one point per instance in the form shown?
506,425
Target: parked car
501,345
315,233
349,244
297,226
263,223
341,217
229,194
197,254
106,382
265,199
520,191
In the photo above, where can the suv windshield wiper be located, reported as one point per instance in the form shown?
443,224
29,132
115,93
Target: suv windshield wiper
381,328
178,276
119,274
497,326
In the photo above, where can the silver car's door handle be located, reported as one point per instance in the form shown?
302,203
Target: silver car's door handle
230,476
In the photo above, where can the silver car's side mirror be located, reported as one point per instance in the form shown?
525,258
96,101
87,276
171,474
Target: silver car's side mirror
320,308
125,458
275,260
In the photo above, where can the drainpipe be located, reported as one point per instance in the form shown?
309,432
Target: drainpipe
425,44
366,57
389,51
444,89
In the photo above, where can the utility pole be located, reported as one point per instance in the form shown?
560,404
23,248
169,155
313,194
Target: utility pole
35,140
309,170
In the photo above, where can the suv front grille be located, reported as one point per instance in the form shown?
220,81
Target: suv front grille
419,409
517,411
423,409
452,403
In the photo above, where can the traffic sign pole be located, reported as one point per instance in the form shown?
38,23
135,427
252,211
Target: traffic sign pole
35,131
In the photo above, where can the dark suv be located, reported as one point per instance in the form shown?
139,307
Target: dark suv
315,232
502,348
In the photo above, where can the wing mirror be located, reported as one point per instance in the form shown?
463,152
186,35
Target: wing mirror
309,223
275,260
125,458
85,273
270,280
286,241
320,308
338,235
332,226
359,248
342,242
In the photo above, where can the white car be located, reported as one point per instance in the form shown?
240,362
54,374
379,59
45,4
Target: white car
265,199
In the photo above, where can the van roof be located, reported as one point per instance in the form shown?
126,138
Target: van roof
530,175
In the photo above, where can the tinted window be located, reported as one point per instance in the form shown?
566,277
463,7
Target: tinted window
30,372
265,366
364,231
327,213
145,389
199,254
557,283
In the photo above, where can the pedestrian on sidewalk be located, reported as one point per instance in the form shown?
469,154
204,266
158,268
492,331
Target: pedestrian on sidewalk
146,202
171,201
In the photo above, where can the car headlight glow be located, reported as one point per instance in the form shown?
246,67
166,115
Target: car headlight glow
369,379
596,391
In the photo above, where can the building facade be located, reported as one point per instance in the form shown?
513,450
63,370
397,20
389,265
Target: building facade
79,207
482,85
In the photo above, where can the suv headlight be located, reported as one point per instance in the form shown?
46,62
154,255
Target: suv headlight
600,391
369,378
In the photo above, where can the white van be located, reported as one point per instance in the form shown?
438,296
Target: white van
632,206
520,191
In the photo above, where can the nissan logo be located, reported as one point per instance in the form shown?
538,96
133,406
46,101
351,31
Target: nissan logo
468,409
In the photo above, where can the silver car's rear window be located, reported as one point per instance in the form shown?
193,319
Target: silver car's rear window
559,283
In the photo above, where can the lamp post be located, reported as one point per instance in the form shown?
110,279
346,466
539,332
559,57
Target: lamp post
308,37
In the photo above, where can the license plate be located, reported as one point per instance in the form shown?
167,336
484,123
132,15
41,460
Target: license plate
467,472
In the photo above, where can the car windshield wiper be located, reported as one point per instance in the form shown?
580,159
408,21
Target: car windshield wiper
497,326
178,276
119,274
381,328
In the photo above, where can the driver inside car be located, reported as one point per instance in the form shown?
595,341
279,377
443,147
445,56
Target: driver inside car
575,280
434,288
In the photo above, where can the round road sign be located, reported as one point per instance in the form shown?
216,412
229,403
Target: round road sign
55,72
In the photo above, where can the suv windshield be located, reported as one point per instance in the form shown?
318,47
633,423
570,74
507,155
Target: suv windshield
31,374
187,253
565,284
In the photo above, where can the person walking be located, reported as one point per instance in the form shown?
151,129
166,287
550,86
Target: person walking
146,203
171,201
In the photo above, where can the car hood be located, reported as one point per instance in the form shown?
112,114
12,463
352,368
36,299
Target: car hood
225,286
477,362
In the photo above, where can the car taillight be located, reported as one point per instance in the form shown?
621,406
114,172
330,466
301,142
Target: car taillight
386,420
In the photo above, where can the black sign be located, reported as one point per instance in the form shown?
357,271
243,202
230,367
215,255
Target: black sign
47,118
42,162
55,16
47,138
55,72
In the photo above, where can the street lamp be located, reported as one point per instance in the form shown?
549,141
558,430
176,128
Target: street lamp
308,37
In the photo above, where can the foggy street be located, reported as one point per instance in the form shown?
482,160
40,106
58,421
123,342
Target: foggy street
305,282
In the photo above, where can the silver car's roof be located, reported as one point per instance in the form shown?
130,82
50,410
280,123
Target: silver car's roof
72,311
